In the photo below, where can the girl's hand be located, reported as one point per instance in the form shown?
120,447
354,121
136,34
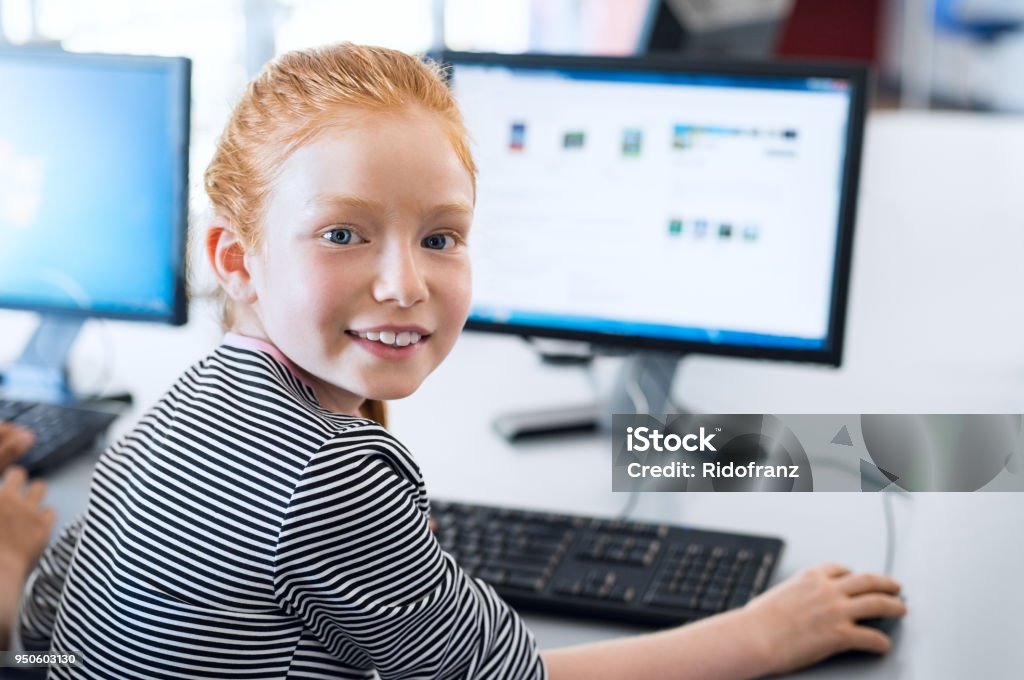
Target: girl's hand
24,525
14,441
814,615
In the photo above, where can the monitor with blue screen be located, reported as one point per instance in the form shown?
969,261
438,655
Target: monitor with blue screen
93,189
661,205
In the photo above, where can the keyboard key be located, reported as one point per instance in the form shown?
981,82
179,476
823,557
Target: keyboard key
622,593
524,581
673,602
493,576
711,604
688,591
569,586
761,578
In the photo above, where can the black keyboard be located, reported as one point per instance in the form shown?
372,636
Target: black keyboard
635,572
62,432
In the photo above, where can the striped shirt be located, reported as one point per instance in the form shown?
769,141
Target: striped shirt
242,531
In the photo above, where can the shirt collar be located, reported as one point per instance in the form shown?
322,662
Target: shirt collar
258,344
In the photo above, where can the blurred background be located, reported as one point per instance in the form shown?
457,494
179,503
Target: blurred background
960,54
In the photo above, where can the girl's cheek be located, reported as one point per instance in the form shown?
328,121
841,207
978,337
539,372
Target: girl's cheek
460,287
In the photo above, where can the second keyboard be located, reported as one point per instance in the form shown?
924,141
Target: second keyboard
61,432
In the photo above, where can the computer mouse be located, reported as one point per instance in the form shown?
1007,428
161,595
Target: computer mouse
852,658
886,624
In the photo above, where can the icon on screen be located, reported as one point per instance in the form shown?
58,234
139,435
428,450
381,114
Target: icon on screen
574,139
675,227
517,137
725,230
700,228
682,137
632,139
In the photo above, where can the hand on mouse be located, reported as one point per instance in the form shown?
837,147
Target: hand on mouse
814,615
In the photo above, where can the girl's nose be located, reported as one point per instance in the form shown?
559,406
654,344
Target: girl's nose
399,277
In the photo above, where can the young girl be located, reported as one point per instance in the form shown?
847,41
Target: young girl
260,521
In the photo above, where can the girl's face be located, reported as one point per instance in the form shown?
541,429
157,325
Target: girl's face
363,280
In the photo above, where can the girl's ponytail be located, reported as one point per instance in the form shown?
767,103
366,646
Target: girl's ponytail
375,410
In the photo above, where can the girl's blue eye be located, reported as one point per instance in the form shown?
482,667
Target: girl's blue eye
341,237
438,241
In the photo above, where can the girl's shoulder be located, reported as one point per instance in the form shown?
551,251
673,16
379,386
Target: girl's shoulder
254,401
268,381
365,463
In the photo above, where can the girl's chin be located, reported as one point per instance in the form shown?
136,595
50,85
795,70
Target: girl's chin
391,393
387,390
334,397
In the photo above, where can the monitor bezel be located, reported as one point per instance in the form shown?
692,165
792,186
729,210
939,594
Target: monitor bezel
179,71
859,77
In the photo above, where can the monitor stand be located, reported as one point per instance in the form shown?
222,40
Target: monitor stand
41,372
644,385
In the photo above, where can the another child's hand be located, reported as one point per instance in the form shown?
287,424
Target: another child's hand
814,615
14,441
24,524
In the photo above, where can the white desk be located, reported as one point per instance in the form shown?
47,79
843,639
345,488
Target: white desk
934,326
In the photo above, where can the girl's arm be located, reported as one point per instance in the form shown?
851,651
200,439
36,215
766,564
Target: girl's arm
357,562
807,618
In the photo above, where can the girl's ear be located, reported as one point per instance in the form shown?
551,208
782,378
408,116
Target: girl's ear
226,253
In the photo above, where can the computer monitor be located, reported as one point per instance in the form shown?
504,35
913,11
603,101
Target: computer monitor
93,198
664,205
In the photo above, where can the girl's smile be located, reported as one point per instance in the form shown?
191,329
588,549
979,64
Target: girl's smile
391,342
393,335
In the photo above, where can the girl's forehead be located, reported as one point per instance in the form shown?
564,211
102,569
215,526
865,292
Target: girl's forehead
389,157
377,169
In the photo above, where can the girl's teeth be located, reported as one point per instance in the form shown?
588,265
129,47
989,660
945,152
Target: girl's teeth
391,338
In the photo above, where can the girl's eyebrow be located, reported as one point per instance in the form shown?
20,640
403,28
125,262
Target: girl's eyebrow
343,200
377,207
454,207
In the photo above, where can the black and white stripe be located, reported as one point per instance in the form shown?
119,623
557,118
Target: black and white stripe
241,531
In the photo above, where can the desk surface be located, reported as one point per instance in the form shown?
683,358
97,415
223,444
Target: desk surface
934,326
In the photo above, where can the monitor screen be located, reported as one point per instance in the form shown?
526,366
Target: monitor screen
93,184
654,203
